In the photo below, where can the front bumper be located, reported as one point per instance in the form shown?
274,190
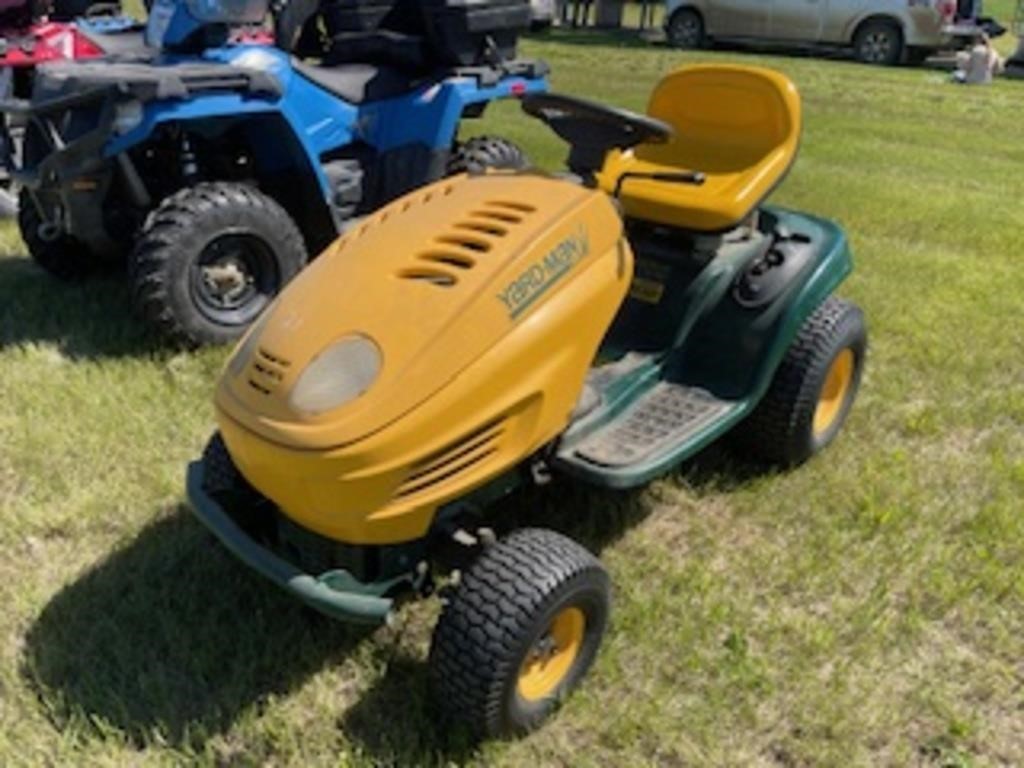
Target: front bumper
335,593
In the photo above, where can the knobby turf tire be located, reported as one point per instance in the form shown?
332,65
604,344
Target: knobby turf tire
482,152
64,257
780,431
504,603
174,237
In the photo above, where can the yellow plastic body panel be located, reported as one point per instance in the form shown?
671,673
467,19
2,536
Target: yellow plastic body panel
477,374
738,125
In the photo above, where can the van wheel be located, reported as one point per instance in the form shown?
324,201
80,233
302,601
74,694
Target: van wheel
685,29
879,42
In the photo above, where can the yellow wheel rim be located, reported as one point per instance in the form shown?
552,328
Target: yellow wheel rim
835,392
551,657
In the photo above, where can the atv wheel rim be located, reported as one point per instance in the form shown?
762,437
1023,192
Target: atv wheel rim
876,47
234,278
834,393
549,660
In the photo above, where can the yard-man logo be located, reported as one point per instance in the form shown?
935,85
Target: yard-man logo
522,292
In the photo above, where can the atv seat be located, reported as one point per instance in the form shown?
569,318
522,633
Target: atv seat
358,83
738,126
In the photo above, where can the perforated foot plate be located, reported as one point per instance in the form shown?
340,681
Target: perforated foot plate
665,417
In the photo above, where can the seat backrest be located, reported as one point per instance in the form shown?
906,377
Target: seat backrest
727,118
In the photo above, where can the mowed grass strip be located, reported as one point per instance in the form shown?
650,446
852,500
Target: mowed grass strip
863,610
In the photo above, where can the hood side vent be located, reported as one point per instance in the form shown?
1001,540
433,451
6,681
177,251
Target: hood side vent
266,371
454,459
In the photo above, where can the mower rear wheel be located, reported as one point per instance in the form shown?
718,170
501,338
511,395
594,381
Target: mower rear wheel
482,152
63,256
210,259
519,632
813,389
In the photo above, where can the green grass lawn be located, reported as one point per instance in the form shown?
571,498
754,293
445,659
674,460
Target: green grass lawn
866,609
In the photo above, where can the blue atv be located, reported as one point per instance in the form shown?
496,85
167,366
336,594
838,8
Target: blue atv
214,169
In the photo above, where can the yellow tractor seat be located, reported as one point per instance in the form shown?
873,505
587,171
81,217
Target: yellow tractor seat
738,126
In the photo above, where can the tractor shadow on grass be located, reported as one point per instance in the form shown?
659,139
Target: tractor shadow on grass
171,638
88,320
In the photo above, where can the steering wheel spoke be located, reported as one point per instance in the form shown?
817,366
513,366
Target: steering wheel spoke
592,130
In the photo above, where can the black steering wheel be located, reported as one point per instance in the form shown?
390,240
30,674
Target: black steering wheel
592,129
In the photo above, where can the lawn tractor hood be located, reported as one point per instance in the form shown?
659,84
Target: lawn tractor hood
408,301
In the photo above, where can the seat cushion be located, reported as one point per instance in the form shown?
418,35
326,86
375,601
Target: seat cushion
739,126
358,83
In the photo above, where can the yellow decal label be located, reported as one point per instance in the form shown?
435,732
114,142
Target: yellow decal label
646,290
534,281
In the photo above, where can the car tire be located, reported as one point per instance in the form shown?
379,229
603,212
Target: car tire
518,633
879,42
685,29
211,258
812,391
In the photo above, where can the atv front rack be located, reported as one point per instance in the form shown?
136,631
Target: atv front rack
336,593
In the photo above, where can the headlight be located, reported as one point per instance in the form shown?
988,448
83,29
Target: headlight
127,116
338,375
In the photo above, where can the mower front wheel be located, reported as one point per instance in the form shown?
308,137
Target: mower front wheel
813,389
61,255
519,632
482,152
210,259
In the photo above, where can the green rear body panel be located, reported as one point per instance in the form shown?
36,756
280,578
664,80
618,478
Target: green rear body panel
720,346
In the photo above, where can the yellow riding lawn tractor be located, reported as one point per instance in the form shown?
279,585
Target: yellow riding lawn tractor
492,329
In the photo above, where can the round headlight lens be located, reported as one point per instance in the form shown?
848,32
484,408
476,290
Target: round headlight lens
338,375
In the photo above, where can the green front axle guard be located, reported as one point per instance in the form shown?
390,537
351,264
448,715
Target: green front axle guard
335,593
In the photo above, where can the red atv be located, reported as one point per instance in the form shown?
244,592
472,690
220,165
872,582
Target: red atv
34,32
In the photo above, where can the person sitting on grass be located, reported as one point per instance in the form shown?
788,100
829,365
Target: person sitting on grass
978,65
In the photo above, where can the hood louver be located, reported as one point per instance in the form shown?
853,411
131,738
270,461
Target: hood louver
458,249
266,372
451,461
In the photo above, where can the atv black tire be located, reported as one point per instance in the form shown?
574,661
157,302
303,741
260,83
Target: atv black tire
210,258
63,256
821,370
482,152
518,633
